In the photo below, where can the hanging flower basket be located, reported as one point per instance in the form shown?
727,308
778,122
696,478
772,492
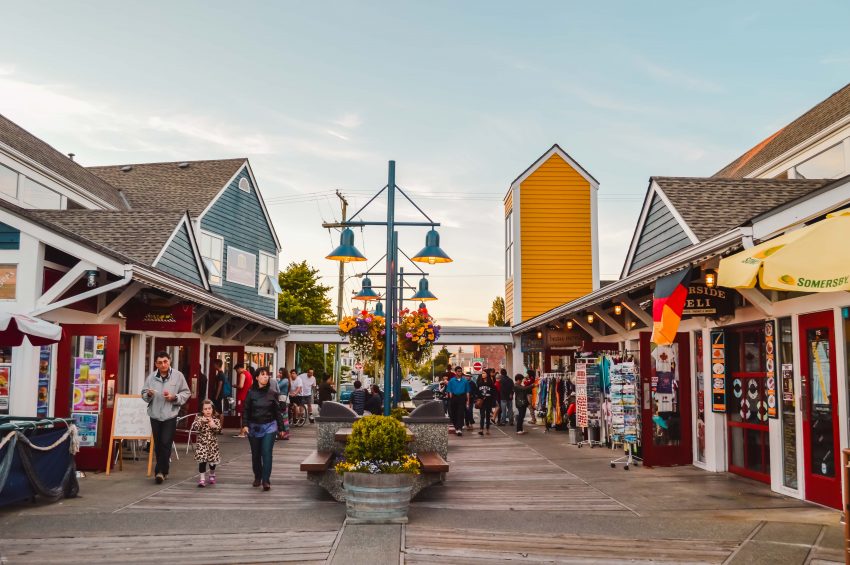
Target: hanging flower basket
417,333
366,333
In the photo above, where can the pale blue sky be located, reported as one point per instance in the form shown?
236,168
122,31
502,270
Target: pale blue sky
463,95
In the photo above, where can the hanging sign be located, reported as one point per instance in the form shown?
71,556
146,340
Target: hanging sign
529,343
581,395
177,318
559,339
770,369
710,302
718,371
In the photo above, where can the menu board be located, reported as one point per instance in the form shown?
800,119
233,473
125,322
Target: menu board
718,371
770,369
88,379
5,383
42,405
86,428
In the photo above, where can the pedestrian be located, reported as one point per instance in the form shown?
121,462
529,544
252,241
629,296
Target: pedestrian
506,399
497,408
223,388
244,382
441,394
165,391
531,381
308,385
469,415
484,402
295,394
357,402
458,389
207,425
261,422
521,392
326,391
283,399
375,402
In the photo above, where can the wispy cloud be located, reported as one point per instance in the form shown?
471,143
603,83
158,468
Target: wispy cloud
676,77
349,121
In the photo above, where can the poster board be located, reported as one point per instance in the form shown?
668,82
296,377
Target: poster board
130,421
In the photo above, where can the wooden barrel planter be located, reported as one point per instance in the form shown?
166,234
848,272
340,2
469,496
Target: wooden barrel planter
377,499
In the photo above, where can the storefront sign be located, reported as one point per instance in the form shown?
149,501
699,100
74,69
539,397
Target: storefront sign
718,371
558,340
770,368
177,318
710,302
529,343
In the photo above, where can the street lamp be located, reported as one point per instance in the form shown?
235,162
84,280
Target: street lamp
431,253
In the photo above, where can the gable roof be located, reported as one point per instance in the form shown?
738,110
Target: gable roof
60,164
828,112
137,235
554,150
168,186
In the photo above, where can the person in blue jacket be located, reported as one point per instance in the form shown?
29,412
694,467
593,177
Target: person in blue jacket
458,391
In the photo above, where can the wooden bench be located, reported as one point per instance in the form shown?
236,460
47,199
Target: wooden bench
317,462
343,434
432,462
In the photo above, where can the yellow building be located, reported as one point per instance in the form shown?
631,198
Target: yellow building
551,247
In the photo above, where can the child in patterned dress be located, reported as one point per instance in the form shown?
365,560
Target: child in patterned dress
207,425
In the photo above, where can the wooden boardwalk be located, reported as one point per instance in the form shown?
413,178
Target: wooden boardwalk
482,469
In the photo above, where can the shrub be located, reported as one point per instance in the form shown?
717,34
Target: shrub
398,413
376,438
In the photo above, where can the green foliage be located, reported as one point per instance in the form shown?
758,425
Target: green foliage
405,395
440,363
496,317
398,413
303,299
376,438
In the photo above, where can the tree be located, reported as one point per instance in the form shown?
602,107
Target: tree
303,300
440,362
496,317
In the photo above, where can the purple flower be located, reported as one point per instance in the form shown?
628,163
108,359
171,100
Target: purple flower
383,332
408,335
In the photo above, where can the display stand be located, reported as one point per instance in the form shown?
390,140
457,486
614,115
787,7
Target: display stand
587,378
130,421
625,422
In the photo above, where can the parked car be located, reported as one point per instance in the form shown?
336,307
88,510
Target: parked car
345,390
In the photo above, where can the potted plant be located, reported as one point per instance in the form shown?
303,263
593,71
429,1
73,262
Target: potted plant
417,332
378,472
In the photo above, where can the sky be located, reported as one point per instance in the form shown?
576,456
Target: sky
464,96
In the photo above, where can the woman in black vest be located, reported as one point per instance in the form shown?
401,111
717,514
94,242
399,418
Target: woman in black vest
262,421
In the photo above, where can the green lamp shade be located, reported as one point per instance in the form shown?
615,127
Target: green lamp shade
366,292
346,251
432,253
423,294
379,310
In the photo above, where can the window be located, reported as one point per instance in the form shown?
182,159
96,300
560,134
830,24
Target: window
211,252
241,267
244,184
38,196
8,181
269,285
8,282
825,165
509,246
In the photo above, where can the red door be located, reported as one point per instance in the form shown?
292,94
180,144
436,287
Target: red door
186,358
230,356
819,400
85,387
666,402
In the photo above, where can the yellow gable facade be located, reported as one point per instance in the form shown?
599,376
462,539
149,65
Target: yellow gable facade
551,247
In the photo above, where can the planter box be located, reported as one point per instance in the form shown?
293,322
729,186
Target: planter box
377,499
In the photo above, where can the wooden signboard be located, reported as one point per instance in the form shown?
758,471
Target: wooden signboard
130,421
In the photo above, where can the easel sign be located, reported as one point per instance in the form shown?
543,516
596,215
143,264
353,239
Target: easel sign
130,421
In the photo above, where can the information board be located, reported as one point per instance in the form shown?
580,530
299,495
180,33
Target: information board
130,421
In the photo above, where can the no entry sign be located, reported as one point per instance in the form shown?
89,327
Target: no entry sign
477,366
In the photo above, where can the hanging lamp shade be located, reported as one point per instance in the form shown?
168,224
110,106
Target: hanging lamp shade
424,294
346,252
432,253
366,292
379,310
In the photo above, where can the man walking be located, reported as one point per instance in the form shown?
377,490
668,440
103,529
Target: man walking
458,390
469,416
165,391
506,401
308,384
223,388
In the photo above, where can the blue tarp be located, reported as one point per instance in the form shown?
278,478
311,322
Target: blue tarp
51,474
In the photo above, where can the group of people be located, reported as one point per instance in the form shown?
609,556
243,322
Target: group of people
365,401
494,396
263,407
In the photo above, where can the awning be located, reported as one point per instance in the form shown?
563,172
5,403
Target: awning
13,328
815,258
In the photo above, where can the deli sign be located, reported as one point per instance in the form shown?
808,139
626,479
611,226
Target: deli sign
177,318
710,302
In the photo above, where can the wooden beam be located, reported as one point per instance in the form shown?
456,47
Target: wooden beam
251,335
618,329
588,328
759,301
639,312
68,280
217,324
110,309
239,327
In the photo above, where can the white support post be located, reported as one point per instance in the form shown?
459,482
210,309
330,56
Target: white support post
639,312
759,301
618,329
68,280
588,328
110,309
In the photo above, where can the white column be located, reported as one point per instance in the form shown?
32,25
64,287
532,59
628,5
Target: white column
23,388
715,422
517,364
138,371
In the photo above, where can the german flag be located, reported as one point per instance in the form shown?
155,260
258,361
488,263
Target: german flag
668,302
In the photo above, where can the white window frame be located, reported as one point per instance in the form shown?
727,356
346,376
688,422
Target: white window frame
210,274
266,260
229,268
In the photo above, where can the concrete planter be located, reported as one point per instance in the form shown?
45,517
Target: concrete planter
377,499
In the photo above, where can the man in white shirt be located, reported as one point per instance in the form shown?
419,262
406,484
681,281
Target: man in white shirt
308,385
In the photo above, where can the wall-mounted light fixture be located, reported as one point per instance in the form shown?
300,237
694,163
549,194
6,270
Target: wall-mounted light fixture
709,277
91,279
618,309
632,324
539,334
569,324
590,318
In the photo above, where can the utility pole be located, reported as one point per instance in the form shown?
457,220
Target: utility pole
337,367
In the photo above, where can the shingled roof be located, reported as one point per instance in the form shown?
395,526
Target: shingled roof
711,206
138,235
815,120
168,186
33,148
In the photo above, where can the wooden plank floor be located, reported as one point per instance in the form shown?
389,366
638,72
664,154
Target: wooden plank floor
290,487
220,548
477,547
483,469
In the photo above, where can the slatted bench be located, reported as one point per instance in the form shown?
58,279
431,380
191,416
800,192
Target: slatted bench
317,462
432,462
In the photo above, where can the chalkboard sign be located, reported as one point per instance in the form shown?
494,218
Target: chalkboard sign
131,420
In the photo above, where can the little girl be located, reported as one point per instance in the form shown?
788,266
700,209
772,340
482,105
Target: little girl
208,425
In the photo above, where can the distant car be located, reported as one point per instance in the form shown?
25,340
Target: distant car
345,390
